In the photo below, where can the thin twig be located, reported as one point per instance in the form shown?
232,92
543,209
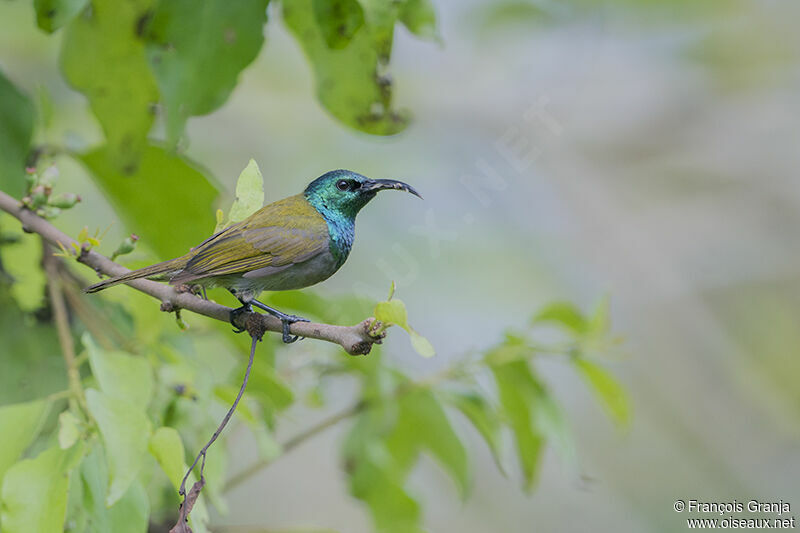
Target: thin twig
62,325
190,499
355,340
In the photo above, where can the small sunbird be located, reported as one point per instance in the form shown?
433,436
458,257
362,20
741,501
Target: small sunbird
289,244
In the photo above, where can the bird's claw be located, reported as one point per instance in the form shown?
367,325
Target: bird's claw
234,315
286,322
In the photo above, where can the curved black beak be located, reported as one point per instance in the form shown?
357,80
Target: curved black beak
379,185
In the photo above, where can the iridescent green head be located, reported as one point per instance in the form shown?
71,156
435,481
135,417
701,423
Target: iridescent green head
342,193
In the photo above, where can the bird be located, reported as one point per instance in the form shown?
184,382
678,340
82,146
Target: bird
289,244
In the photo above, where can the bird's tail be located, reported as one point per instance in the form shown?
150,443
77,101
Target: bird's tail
173,265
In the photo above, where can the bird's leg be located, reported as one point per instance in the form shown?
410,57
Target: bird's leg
286,320
245,308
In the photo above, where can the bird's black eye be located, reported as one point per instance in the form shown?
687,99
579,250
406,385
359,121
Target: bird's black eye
342,185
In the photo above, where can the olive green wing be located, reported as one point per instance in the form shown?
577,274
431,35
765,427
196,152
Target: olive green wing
275,237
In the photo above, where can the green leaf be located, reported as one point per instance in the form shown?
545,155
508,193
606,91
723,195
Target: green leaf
420,18
517,389
422,424
484,418
338,20
68,430
22,260
129,514
269,390
551,422
599,324
249,195
32,363
394,312
421,345
268,447
226,394
126,431
350,81
563,314
166,191
19,425
374,481
197,53
52,14
16,131
167,447
103,57
34,492
511,349
607,389
119,374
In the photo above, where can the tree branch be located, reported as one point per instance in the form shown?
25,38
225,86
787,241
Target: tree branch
355,340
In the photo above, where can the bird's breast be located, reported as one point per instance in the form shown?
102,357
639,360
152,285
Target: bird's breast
289,277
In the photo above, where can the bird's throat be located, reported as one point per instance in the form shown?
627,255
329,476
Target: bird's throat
341,229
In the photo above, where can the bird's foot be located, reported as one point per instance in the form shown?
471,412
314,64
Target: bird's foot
286,320
234,316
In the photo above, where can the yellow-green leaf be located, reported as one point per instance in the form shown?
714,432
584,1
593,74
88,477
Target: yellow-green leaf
394,312
19,425
128,515
249,194
167,447
125,430
348,71
563,314
517,390
52,14
420,18
423,425
607,389
22,261
484,418
599,323
68,430
421,345
120,374
34,492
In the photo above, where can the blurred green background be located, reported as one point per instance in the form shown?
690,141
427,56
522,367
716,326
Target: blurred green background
648,149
